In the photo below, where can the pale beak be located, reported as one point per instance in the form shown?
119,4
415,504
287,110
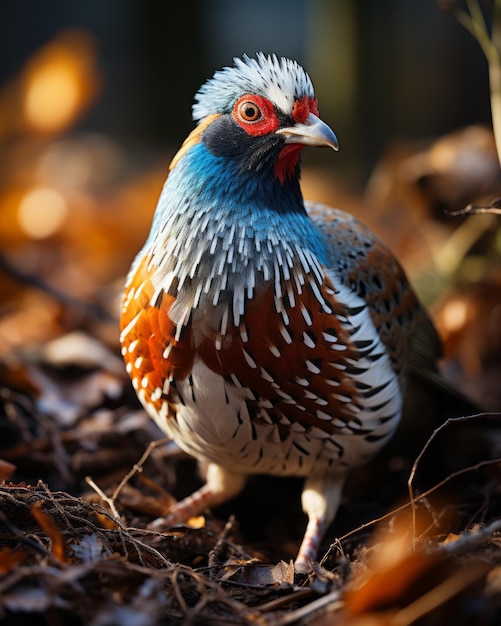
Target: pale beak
313,132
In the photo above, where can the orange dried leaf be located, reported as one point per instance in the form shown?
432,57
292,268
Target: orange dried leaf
136,501
397,572
387,587
10,558
451,538
6,470
49,527
166,498
104,521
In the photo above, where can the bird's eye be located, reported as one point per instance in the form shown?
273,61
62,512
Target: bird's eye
255,115
249,112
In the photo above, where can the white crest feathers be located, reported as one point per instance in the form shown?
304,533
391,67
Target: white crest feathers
280,80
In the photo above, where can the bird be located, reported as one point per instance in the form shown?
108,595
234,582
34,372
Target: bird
263,333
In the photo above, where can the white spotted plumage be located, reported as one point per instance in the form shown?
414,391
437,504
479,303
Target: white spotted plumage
199,415
265,354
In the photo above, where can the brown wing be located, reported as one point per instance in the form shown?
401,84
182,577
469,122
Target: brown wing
289,361
367,267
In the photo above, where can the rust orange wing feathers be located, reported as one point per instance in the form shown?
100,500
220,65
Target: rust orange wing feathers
152,353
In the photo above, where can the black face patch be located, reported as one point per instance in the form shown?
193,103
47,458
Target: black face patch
223,137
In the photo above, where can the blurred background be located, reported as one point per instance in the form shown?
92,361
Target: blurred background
95,98
381,70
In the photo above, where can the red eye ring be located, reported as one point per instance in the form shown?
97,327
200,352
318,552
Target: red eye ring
255,114
249,112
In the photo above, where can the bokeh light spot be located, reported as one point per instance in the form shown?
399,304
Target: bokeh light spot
42,212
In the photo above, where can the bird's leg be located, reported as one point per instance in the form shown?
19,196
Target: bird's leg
320,499
220,485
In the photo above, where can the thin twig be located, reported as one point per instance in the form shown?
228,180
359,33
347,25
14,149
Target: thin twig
428,492
331,599
21,536
436,432
137,468
474,22
495,75
467,541
109,501
216,551
493,208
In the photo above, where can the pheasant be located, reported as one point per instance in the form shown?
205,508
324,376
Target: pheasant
263,334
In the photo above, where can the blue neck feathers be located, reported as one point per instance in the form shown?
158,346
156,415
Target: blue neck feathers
213,191
224,228
201,180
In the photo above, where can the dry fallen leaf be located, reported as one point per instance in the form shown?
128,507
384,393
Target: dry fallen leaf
255,574
58,544
6,470
10,558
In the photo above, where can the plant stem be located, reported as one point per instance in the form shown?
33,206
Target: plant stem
495,75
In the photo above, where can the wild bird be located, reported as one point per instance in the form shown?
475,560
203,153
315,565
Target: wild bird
264,334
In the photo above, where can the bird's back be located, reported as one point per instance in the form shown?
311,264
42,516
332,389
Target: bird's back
367,266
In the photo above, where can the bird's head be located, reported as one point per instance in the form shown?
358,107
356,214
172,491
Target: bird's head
260,113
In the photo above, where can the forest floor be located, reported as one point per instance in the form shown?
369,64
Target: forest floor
418,536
